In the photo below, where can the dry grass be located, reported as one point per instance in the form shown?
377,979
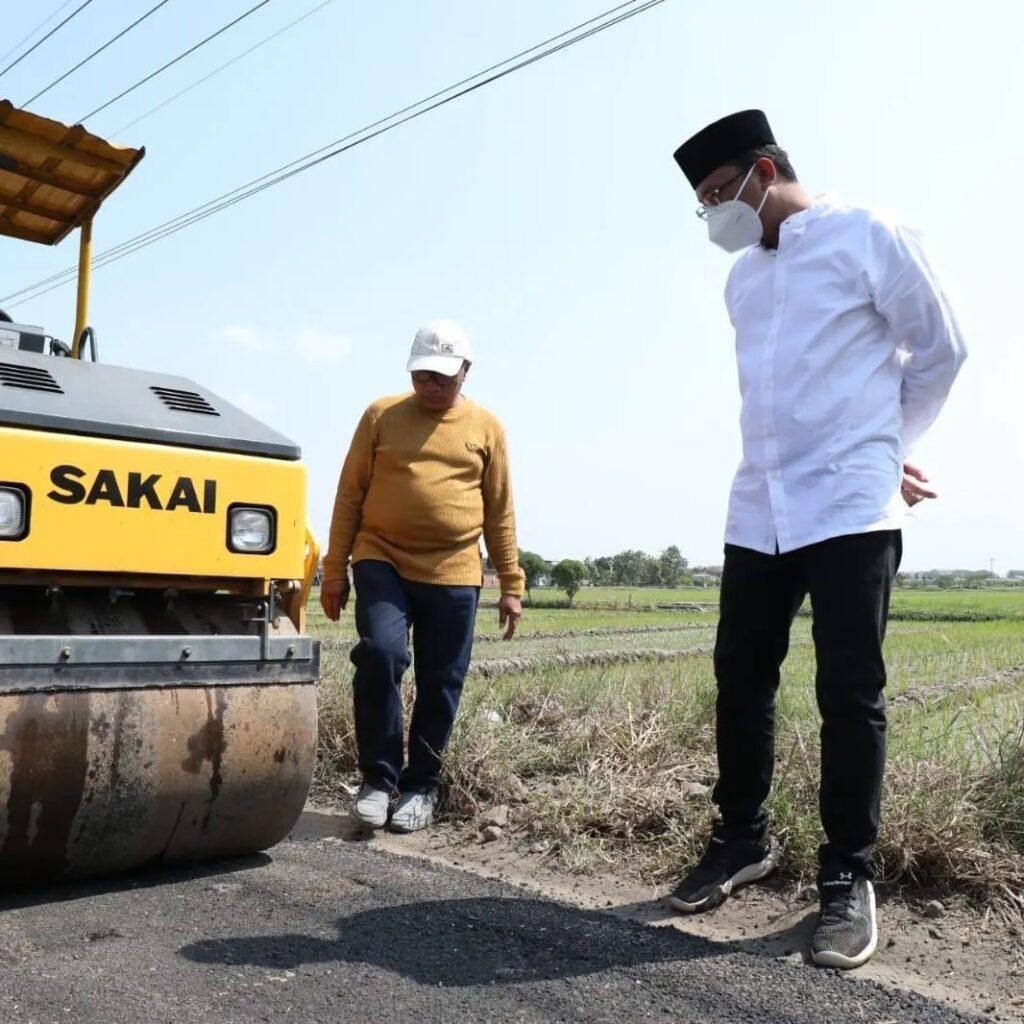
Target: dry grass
609,765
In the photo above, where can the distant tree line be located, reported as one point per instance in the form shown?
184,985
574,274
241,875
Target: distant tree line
632,568
626,569
639,569
959,579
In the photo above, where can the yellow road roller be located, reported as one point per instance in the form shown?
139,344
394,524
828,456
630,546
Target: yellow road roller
157,688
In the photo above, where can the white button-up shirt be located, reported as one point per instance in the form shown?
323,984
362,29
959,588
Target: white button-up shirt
847,349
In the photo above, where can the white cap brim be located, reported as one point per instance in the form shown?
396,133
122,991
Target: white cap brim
448,365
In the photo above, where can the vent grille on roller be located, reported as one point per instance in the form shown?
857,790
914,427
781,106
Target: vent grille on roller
28,378
184,401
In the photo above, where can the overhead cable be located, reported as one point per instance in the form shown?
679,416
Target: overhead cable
46,21
96,53
170,64
53,31
223,67
540,51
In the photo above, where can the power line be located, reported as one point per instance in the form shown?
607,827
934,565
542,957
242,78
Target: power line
171,63
569,37
46,21
195,217
312,159
96,53
53,31
70,272
351,135
223,67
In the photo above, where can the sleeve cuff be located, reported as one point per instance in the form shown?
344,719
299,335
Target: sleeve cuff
335,572
512,583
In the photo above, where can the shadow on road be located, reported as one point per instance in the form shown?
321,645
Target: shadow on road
793,934
314,825
147,878
467,942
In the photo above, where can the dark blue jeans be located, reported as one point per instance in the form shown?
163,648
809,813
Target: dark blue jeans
442,620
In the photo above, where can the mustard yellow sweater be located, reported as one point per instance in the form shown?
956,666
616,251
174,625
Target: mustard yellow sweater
419,488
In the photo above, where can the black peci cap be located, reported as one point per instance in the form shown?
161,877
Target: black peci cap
719,142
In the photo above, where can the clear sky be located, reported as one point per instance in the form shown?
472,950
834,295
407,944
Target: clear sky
546,214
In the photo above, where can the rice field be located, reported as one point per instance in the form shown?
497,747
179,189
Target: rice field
595,724
989,602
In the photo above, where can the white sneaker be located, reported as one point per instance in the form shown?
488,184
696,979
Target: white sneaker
370,807
414,811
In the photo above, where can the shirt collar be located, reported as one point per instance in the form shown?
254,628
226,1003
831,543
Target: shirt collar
797,222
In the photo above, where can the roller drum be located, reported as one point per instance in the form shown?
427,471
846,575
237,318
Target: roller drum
99,782
116,756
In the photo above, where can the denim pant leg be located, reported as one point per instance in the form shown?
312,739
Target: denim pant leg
443,623
381,656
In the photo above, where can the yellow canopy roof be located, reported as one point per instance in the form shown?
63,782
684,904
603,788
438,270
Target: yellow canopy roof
53,176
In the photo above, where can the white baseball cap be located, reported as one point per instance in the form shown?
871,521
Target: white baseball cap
441,346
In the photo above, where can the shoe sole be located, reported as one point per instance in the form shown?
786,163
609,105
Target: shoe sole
830,958
370,823
751,873
397,826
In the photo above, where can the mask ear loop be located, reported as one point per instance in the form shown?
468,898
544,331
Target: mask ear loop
737,199
764,198
739,192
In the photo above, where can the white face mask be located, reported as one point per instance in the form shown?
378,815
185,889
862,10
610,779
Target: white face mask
734,224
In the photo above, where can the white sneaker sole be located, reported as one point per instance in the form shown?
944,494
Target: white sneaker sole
406,827
830,958
367,821
751,873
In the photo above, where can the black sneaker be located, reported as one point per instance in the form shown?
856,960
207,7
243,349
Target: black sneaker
847,931
725,866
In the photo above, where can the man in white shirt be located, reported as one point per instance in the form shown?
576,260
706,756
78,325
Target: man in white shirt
847,349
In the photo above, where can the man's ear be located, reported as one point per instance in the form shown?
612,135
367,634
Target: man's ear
466,364
767,171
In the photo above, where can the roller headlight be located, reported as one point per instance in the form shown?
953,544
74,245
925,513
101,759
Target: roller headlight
252,530
13,512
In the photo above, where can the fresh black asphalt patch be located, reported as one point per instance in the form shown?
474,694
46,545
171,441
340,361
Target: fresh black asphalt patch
320,930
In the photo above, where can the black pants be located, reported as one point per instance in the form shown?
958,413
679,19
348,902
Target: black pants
849,580
442,620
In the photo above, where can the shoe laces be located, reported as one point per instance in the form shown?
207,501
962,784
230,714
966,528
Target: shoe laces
837,901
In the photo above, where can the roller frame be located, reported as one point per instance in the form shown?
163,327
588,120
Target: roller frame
40,664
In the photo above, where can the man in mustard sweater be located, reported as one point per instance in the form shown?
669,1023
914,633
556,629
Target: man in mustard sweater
426,475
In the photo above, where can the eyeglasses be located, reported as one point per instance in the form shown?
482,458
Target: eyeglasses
439,380
714,196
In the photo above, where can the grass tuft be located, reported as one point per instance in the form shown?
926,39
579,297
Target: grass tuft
610,761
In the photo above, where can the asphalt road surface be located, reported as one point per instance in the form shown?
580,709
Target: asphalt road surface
330,931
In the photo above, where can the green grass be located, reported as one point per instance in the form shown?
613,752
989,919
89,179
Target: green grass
602,606
624,597
535,620
605,764
542,619
989,603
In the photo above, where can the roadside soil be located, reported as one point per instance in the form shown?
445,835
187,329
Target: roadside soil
959,955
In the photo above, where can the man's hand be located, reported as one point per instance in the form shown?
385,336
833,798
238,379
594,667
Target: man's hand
912,487
334,597
510,611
